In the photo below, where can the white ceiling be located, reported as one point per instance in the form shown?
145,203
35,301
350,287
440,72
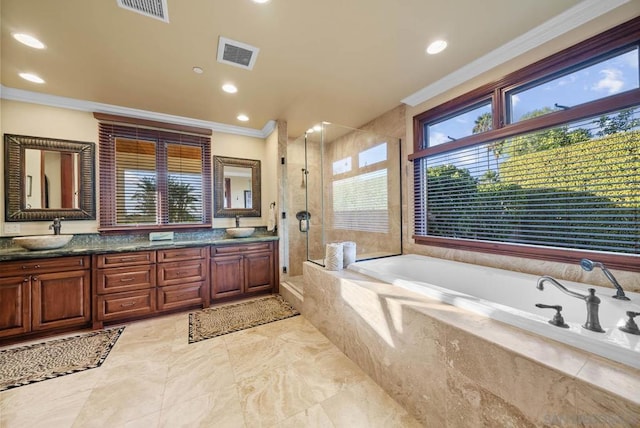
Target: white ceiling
342,61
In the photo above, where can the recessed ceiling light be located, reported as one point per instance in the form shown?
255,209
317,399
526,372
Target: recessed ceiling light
243,117
198,70
229,88
261,1
31,77
436,47
28,40
317,128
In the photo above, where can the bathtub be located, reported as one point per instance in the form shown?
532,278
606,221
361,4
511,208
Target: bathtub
510,297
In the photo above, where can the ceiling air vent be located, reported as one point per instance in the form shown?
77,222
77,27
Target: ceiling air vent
237,53
153,8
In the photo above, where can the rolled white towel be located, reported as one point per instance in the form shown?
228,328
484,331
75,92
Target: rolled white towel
348,253
271,221
333,256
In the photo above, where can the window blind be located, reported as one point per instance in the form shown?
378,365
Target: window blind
572,186
361,202
150,176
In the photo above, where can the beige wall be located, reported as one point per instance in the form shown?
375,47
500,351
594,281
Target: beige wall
239,146
43,121
53,122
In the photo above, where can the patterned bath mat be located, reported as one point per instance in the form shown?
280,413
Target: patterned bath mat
214,322
47,360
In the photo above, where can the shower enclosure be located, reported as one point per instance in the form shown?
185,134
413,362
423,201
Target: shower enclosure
344,184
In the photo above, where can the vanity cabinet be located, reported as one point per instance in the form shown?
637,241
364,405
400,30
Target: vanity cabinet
182,278
124,286
243,269
41,295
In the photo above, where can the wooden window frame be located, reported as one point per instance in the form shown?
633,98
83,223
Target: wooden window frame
617,38
200,137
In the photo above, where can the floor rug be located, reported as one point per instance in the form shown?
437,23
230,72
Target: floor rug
214,322
47,360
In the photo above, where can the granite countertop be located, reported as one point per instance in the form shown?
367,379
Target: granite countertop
88,247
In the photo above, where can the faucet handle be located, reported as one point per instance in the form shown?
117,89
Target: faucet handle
557,319
631,326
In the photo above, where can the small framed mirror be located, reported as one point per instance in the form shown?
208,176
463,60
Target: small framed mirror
236,187
47,178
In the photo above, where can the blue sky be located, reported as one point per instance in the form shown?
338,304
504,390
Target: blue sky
609,77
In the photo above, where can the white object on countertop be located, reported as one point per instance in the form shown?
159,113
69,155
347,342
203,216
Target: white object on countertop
348,253
271,221
333,259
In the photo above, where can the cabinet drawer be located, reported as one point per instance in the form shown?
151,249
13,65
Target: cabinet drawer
181,272
125,259
55,264
232,249
116,280
176,254
126,305
178,296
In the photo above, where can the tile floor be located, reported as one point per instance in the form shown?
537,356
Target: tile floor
282,374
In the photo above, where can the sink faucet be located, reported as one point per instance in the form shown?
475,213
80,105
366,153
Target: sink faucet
237,221
588,265
56,225
593,302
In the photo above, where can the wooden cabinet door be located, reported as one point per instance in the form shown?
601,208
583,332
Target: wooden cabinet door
258,271
15,305
227,276
60,299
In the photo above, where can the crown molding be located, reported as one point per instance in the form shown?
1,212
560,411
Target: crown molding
90,106
568,20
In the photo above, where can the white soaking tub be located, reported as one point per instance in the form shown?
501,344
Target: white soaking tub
510,297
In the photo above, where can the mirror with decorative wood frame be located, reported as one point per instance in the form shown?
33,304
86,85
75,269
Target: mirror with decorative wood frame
236,187
47,178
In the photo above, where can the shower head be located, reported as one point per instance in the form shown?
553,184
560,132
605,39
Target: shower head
587,264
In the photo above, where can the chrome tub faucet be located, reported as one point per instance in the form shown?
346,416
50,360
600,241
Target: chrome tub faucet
592,301
588,265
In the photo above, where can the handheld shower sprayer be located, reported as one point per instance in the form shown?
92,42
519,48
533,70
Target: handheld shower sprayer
588,266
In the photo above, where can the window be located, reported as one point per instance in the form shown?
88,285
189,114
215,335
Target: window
152,178
558,177
473,120
360,201
606,77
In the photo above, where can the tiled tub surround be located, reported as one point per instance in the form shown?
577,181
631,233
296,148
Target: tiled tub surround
510,297
451,367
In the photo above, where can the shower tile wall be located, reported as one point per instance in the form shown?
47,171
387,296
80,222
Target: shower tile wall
350,146
298,187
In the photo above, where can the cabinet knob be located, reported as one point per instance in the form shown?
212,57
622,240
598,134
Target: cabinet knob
126,305
26,279
34,278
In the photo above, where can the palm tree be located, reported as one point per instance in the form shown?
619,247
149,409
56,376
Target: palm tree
483,123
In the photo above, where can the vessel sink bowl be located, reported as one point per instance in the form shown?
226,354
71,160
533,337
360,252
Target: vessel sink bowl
42,242
240,232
